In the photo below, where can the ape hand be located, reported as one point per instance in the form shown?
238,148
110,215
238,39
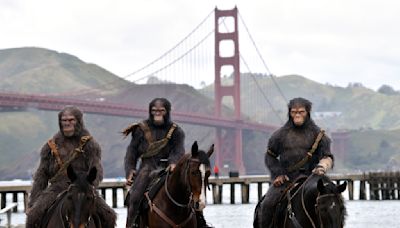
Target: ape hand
171,167
319,170
279,180
130,178
323,166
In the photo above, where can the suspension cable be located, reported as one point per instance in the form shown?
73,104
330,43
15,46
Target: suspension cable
258,85
171,49
262,59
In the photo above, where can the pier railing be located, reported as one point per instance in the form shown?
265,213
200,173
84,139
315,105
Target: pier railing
381,186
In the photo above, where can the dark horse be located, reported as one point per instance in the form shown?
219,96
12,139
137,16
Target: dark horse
315,202
182,193
75,207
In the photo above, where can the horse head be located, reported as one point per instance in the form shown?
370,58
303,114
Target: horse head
329,206
199,172
79,202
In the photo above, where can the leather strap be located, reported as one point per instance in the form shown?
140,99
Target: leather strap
54,151
146,130
74,154
154,208
309,154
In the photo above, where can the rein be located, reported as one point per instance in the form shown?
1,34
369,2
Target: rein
160,213
172,199
65,221
317,210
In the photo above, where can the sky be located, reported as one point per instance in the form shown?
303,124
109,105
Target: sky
336,42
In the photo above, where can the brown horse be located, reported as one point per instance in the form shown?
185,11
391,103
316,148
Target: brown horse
182,193
75,207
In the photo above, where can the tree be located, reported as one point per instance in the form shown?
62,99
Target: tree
387,90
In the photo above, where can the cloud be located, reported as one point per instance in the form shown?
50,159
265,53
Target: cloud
327,41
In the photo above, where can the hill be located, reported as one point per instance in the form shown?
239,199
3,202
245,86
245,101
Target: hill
352,107
370,117
29,70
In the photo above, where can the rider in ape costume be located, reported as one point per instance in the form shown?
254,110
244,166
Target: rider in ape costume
72,145
290,154
159,143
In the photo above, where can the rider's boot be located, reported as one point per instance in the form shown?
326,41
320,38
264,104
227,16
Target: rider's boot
201,222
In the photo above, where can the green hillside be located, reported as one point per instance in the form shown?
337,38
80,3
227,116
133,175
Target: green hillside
358,107
37,70
370,117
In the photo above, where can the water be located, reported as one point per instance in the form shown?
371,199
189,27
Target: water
361,214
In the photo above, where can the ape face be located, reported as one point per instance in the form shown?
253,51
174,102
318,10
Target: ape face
298,115
158,112
68,124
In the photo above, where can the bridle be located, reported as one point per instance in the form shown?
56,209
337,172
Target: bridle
291,214
317,208
188,205
65,220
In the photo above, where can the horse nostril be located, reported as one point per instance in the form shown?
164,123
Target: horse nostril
196,205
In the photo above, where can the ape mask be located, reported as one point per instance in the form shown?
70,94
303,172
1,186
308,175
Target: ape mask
159,111
70,121
299,111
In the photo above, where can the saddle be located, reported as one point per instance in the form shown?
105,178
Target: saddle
284,207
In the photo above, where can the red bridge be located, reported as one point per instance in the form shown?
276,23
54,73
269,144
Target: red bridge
228,129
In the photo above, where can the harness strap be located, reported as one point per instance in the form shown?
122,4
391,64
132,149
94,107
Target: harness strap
154,208
147,133
309,154
54,151
272,153
75,153
154,147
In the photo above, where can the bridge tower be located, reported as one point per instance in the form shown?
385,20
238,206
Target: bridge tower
229,153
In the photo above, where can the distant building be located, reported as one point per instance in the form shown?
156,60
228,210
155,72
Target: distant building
325,115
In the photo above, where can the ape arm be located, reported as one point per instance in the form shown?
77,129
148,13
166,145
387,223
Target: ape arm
41,176
271,156
132,152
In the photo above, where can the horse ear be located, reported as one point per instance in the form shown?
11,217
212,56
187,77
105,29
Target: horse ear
320,186
211,150
195,149
71,173
92,175
341,187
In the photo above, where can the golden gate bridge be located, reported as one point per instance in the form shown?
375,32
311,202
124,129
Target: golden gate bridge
191,62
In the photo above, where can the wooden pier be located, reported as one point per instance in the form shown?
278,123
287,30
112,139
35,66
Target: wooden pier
381,186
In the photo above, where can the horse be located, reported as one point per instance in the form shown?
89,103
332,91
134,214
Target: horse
75,207
315,203
182,193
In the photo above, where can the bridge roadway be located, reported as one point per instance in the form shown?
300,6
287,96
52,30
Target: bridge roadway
41,102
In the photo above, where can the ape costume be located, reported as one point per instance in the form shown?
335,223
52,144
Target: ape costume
82,152
293,151
158,145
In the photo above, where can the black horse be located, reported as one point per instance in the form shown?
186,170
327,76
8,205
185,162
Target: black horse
76,206
315,202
